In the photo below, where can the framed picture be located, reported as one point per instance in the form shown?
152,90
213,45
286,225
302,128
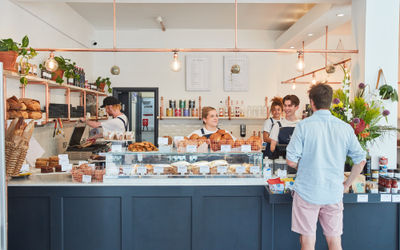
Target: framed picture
197,73
236,73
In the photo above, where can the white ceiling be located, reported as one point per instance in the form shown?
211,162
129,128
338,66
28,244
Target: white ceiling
265,16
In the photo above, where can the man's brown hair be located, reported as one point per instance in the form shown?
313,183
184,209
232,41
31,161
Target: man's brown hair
321,95
293,100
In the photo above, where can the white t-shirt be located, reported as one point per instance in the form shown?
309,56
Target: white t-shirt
275,129
207,132
268,124
115,124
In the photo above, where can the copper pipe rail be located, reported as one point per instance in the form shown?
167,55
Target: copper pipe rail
162,50
236,24
293,80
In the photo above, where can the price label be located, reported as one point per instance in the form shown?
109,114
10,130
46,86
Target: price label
240,169
386,198
245,148
362,198
255,170
129,159
92,165
191,149
396,198
63,161
126,170
39,122
226,148
204,169
86,178
66,167
162,141
222,169
158,170
140,157
182,169
141,170
82,162
116,148
63,157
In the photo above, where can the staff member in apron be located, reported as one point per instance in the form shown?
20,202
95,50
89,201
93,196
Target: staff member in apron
280,136
119,121
210,121
275,120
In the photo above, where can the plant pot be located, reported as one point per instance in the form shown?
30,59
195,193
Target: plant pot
57,73
102,86
9,58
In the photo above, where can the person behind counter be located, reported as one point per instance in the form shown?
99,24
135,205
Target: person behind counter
210,121
276,110
119,121
281,135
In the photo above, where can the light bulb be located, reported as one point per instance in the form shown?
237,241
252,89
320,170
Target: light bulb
314,81
51,64
300,65
294,86
176,64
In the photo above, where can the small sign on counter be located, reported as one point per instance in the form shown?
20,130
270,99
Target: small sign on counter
86,178
162,141
116,148
240,169
396,198
226,148
362,198
82,162
158,169
141,170
255,170
386,198
204,169
182,170
191,149
222,169
245,148
66,167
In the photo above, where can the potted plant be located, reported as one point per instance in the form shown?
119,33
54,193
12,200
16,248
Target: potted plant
65,68
387,92
102,82
10,50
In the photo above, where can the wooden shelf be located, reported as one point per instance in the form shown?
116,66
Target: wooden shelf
50,83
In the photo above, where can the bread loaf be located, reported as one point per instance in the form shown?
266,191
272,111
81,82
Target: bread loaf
14,103
35,115
23,106
31,104
23,114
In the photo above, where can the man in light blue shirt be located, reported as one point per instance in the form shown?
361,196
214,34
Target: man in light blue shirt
318,149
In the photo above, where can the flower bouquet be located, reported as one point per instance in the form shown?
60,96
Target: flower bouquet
363,112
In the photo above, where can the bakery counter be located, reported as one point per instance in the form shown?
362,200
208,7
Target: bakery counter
371,221
171,213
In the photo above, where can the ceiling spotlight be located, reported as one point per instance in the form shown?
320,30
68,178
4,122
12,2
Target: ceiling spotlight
51,64
300,65
292,47
176,64
310,34
340,14
314,81
160,20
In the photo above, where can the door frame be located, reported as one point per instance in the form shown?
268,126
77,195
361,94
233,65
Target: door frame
156,108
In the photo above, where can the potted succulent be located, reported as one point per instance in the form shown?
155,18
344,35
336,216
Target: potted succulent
10,50
102,82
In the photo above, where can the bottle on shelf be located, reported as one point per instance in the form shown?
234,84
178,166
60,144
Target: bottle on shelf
242,109
237,109
221,109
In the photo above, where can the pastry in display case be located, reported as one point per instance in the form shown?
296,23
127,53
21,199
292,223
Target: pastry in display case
185,165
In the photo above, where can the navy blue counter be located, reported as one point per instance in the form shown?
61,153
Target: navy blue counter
178,218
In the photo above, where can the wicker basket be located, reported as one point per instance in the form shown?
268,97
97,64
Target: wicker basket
15,156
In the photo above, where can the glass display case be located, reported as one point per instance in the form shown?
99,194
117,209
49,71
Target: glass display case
182,165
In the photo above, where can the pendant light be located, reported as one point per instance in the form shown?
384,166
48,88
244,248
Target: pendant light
51,64
176,64
300,65
294,86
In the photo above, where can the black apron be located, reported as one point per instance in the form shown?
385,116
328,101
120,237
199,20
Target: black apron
284,136
267,152
208,135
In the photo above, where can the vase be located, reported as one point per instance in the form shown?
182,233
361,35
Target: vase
9,58
102,86
56,74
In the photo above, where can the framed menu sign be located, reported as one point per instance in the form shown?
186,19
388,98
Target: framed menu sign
239,80
197,73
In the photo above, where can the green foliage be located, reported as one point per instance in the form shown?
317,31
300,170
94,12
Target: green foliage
388,92
106,80
68,67
23,51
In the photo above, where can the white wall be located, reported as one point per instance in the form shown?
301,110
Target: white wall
47,25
